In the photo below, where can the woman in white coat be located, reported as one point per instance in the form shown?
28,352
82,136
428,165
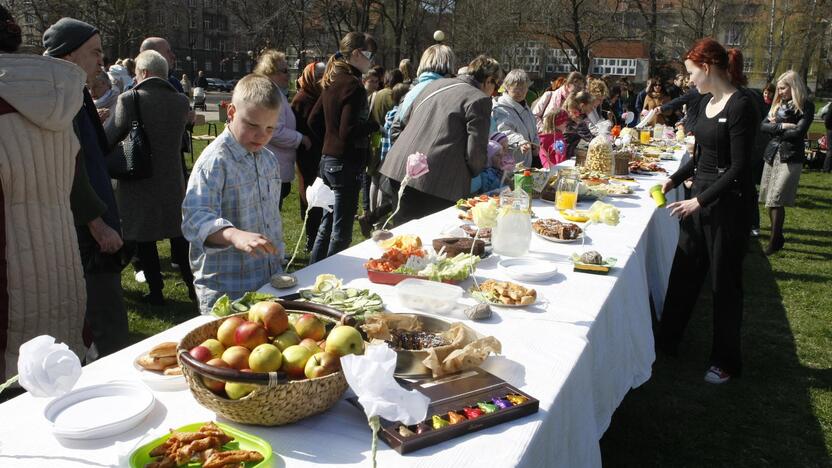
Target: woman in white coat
513,117
285,138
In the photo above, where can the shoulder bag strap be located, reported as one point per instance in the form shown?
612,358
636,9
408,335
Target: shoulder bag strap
435,93
135,96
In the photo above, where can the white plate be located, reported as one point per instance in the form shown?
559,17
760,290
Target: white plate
560,241
100,410
527,269
158,380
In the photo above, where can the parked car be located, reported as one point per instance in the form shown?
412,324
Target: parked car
232,84
215,84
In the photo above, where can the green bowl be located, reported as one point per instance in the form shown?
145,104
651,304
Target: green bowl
242,441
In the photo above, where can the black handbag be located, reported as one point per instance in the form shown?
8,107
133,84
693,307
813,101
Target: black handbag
132,159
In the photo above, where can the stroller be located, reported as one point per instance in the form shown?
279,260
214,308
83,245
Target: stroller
199,99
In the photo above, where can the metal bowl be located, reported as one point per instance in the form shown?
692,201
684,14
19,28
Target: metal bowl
409,363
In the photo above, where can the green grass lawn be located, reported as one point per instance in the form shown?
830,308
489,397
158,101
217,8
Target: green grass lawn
778,414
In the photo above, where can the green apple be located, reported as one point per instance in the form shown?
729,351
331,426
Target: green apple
322,364
236,390
310,326
343,340
294,361
286,339
265,358
214,346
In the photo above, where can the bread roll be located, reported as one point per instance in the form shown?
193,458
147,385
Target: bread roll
165,349
156,363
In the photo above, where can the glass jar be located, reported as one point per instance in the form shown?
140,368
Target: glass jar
513,232
566,193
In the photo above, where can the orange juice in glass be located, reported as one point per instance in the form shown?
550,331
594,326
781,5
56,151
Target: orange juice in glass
566,200
644,136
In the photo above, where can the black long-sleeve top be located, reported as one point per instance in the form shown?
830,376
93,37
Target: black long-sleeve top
692,98
725,142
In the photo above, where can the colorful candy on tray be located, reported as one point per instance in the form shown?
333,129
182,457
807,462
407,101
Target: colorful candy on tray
472,411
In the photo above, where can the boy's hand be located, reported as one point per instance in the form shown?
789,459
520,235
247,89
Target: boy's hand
251,243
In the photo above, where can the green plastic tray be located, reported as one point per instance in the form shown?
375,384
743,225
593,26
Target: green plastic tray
242,441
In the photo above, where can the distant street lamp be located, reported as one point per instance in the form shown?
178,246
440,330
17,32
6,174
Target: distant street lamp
439,36
251,60
191,63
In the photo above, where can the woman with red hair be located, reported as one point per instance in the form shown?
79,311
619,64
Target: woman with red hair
716,220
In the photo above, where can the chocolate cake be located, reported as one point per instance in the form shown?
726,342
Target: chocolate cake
415,340
457,245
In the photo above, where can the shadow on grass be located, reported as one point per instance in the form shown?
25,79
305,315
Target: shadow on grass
765,418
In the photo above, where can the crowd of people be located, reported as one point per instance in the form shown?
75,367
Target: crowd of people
69,235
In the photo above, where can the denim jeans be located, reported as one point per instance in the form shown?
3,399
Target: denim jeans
335,232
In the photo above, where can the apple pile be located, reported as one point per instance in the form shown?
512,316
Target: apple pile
272,340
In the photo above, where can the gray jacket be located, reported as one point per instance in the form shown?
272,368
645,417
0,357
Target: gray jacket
517,122
151,209
451,129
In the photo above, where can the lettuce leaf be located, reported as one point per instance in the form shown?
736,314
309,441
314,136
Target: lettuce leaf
222,307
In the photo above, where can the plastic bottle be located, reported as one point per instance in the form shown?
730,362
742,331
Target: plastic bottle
526,183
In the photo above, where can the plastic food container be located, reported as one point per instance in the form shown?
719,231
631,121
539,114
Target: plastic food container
428,296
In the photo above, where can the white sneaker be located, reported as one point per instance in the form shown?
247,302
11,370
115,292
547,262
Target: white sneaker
755,233
715,375
140,277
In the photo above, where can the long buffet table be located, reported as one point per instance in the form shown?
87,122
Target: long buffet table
578,352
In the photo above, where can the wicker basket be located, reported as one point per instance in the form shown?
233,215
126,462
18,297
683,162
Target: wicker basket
622,163
276,400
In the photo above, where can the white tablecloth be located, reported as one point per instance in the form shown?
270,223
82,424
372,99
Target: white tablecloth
578,352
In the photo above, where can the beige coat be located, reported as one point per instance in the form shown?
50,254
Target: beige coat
38,148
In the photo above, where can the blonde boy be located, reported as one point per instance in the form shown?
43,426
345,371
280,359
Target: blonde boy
230,213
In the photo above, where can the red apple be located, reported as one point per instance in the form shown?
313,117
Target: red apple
201,353
272,315
294,361
216,386
322,364
310,326
311,345
227,330
214,346
236,357
250,335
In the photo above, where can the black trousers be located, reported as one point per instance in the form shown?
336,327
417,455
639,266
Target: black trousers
105,314
148,256
417,204
713,240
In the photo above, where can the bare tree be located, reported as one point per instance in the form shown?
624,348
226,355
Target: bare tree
812,29
775,53
121,22
578,25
